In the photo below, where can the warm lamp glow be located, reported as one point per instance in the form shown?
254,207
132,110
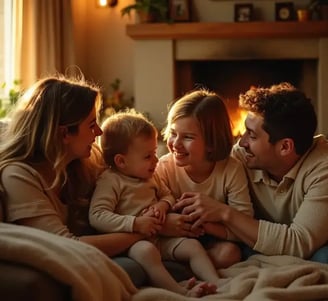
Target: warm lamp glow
106,3
101,3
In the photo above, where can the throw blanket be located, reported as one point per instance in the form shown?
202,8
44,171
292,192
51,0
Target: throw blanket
94,277
260,278
89,272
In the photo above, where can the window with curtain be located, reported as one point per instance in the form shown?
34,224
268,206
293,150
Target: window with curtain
6,51
37,39
9,85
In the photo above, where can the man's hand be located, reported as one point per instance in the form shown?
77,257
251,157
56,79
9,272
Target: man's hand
216,229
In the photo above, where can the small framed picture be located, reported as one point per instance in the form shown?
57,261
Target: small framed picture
180,10
243,12
284,11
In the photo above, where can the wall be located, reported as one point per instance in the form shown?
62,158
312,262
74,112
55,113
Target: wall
2,39
104,52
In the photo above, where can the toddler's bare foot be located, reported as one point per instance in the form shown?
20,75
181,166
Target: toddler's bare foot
201,289
190,283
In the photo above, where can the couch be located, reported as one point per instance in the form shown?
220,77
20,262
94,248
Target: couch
19,282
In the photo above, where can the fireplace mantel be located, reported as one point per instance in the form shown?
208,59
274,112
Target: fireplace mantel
207,30
159,47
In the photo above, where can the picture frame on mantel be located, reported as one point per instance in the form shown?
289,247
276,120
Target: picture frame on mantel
243,12
284,11
180,10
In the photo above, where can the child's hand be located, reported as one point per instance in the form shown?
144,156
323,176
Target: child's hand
147,225
160,210
148,212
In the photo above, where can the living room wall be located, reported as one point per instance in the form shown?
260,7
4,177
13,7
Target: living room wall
104,52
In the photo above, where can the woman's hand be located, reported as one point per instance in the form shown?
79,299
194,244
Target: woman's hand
180,225
201,208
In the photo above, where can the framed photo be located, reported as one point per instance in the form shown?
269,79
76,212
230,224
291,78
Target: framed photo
284,11
243,12
180,10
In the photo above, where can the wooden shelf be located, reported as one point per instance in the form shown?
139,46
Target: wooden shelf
207,30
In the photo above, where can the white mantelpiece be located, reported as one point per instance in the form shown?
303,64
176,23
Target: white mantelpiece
159,46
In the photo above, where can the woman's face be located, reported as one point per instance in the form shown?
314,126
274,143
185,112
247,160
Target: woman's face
79,145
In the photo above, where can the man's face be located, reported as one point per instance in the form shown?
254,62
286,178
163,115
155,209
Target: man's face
259,152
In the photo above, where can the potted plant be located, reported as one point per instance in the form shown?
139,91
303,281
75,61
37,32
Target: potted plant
115,101
148,10
320,8
10,98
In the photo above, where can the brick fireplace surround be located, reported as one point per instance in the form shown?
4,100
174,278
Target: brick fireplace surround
159,46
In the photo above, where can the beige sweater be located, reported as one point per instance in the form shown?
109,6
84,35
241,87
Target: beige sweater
293,213
28,196
118,199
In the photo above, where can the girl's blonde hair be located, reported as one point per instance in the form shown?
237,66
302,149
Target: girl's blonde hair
33,132
213,118
120,129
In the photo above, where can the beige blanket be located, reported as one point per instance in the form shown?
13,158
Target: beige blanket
94,277
91,275
261,278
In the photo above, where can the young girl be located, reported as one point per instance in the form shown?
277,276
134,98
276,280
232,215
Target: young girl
129,198
49,162
199,138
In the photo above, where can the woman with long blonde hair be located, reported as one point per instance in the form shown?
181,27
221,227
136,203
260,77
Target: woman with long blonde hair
49,161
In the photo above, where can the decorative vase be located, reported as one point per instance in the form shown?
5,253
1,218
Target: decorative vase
303,14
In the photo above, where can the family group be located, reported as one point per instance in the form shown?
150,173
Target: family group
209,202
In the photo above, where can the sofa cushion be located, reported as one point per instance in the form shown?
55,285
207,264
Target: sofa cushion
19,282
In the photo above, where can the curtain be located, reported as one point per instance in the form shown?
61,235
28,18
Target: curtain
43,38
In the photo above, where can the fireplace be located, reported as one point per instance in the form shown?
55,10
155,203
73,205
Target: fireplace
229,78
228,58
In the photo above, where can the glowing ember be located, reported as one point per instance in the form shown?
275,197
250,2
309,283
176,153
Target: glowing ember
238,119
